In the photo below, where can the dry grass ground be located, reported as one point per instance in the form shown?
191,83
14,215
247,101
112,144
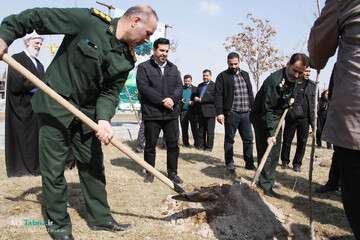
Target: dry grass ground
141,204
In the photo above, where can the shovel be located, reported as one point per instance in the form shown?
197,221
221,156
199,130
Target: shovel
269,147
191,196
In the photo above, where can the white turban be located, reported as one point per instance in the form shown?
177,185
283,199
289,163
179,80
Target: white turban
32,35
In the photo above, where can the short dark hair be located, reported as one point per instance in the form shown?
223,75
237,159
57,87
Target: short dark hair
186,76
300,57
233,55
144,10
161,41
207,70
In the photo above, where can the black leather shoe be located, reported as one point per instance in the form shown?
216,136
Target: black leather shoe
111,226
231,172
272,193
250,166
149,178
284,165
297,168
65,237
139,149
175,178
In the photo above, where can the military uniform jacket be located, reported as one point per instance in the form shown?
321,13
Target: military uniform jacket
271,101
90,67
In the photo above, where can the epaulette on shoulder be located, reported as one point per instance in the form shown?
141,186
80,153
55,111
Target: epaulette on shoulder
95,12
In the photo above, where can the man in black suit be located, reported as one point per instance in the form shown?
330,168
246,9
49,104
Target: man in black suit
21,126
205,97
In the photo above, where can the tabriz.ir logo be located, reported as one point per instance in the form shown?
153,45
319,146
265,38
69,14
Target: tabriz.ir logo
30,222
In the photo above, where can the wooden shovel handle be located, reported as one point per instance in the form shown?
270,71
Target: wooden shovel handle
268,149
85,119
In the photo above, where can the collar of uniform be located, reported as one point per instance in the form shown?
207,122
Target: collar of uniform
111,29
116,43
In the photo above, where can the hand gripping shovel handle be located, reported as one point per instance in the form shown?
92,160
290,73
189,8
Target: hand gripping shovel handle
268,149
85,119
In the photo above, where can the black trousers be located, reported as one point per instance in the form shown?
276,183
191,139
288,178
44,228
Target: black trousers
206,132
171,133
350,175
141,135
334,173
235,121
187,118
320,126
301,127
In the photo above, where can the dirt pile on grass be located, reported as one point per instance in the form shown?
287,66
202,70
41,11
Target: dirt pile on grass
239,212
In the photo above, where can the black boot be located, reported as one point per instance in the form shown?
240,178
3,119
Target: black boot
174,178
111,226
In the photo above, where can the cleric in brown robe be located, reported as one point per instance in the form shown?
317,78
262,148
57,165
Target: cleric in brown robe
21,127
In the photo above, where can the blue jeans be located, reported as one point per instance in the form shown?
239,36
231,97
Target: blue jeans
241,122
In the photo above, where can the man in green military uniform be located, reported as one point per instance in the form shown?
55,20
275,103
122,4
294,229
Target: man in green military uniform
270,102
89,70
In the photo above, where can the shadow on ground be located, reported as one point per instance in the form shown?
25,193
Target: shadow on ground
199,157
127,163
75,199
323,212
300,185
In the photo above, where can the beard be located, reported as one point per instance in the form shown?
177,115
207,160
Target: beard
234,70
33,52
162,59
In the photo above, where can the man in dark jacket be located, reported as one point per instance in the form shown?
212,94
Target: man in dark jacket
205,98
298,119
160,88
188,112
270,102
234,99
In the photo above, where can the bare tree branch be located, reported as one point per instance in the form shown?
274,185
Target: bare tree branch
318,7
254,45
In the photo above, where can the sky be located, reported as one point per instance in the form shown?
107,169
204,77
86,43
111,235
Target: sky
200,27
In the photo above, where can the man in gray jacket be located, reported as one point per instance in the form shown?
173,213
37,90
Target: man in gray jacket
339,27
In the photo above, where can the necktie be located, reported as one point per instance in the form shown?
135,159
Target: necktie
203,90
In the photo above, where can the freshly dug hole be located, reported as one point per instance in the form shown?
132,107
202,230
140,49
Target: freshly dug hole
239,212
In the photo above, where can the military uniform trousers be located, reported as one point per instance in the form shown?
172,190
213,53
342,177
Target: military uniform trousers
55,143
267,176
